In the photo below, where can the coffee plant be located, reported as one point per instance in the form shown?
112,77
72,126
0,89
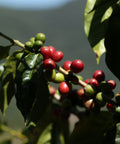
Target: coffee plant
28,74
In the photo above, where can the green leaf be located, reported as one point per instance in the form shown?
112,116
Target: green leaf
32,93
97,14
7,84
4,51
117,138
112,43
45,137
94,129
34,131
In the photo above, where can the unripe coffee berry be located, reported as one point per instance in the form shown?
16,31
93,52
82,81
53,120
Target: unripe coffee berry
64,88
77,66
49,64
57,56
29,45
41,37
99,75
117,109
50,75
90,90
45,51
59,78
32,39
38,44
66,65
99,99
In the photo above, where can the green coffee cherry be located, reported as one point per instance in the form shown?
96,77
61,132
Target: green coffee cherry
29,45
90,90
99,99
38,44
79,77
50,75
117,109
32,39
59,78
41,37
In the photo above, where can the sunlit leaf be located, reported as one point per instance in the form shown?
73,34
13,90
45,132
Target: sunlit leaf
7,84
97,13
4,51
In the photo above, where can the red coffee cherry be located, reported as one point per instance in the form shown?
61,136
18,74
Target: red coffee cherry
57,56
94,82
87,81
66,65
112,84
45,51
52,50
49,64
81,94
64,88
99,75
110,107
77,66
52,90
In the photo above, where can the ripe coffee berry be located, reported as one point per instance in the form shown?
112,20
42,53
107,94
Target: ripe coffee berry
45,51
94,82
66,65
110,107
57,56
52,90
99,75
112,84
49,64
77,66
81,94
87,81
64,88
52,50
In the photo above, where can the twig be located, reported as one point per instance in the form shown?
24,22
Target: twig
74,78
12,40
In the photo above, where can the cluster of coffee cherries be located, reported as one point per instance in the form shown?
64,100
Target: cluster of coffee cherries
94,93
35,43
